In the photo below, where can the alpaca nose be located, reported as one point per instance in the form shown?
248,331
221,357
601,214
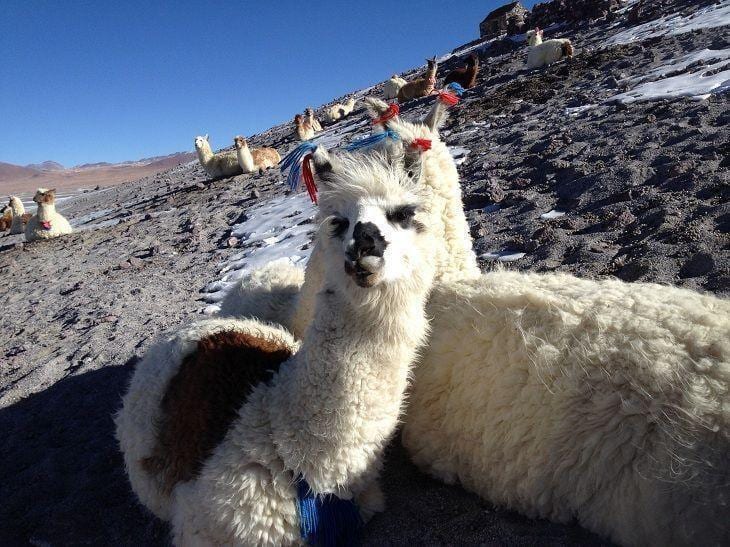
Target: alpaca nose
367,241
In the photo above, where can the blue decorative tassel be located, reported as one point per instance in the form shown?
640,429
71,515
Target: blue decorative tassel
293,162
456,88
327,521
372,140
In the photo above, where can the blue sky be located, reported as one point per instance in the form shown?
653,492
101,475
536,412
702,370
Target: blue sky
83,82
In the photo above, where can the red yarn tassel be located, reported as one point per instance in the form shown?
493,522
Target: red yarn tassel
423,144
449,99
392,112
308,177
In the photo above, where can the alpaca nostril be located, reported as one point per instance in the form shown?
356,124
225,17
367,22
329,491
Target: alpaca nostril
367,240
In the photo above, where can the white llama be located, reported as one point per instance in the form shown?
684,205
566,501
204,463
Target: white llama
391,87
258,159
220,425
543,53
598,401
313,121
339,111
46,223
20,217
222,164
444,213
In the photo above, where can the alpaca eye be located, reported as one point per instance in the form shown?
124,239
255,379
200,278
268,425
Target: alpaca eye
403,216
339,226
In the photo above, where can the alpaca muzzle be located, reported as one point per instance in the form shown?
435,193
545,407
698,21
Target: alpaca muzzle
365,254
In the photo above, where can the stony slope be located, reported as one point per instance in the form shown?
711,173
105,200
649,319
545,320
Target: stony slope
644,189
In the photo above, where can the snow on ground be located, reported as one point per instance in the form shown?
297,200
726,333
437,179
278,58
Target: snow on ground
552,213
503,256
717,15
696,75
459,153
279,229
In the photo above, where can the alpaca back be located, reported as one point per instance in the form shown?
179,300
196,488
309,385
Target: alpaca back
549,52
265,157
565,398
223,164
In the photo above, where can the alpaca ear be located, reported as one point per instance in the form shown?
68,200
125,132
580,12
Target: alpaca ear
412,163
206,137
375,107
436,118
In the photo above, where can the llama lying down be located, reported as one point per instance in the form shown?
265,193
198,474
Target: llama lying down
544,53
568,399
216,165
46,223
228,424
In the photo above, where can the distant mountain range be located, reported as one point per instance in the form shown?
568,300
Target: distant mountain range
26,178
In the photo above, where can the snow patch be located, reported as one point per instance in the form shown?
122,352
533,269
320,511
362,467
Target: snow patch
279,229
459,153
552,214
717,15
503,256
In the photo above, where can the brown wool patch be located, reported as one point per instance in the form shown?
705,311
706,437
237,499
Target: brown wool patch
203,399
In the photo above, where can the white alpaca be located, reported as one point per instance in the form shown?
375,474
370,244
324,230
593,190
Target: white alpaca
543,53
391,87
444,214
328,411
258,159
339,111
314,122
222,164
599,401
19,220
46,223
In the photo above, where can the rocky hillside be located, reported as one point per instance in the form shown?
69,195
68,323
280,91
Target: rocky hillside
613,164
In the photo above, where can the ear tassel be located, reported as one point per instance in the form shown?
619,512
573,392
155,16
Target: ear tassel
372,140
423,144
298,161
392,112
308,177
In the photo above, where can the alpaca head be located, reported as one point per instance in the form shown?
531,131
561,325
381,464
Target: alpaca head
372,237
240,142
298,120
202,142
432,63
308,112
534,37
45,196
16,205
472,60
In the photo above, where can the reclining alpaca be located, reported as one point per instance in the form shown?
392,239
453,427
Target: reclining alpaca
466,76
221,427
314,122
302,128
46,223
600,401
543,53
258,159
421,87
20,217
391,87
6,218
444,213
222,164
339,111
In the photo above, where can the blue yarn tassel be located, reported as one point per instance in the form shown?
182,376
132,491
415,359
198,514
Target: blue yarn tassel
372,140
327,521
293,162
456,88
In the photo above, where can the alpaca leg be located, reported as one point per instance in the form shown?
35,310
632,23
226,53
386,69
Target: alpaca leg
371,500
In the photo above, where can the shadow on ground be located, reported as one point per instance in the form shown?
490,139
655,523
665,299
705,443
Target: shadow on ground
62,483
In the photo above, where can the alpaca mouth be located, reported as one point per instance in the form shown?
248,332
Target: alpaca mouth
362,276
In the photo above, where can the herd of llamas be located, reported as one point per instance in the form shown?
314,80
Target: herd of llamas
596,401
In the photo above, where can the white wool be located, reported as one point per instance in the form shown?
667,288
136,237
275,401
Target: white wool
329,412
222,164
562,398
18,210
46,213
339,110
391,87
546,52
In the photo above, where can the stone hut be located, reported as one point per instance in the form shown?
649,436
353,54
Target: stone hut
509,18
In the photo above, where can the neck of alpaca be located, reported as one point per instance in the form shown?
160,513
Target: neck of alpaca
205,154
345,387
245,159
17,209
46,211
536,40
